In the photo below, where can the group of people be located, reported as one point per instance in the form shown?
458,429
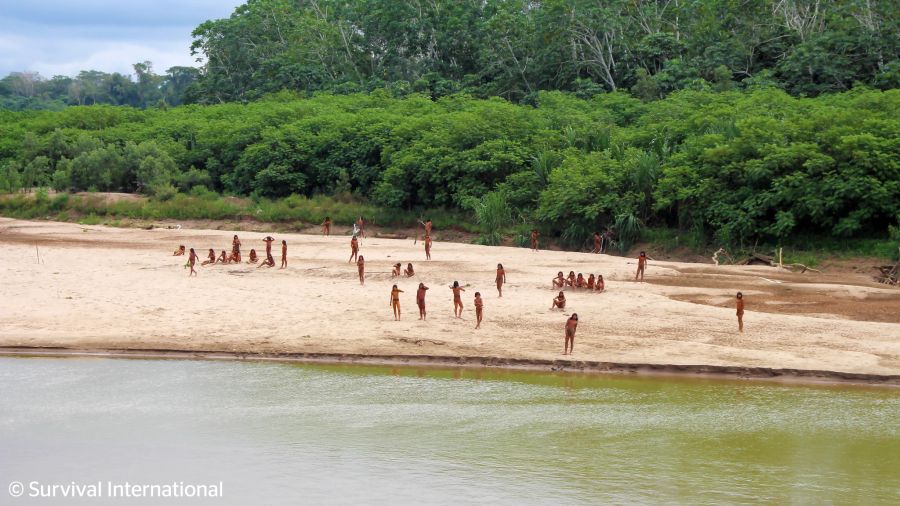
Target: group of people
235,256
579,282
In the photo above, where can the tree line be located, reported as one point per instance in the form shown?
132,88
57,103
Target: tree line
733,166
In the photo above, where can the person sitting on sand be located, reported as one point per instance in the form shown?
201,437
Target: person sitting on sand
427,247
223,258
354,248
740,311
580,282
253,258
211,259
500,279
179,252
642,264
395,301
192,261
361,267
457,299
409,272
395,271
601,285
559,301
268,240
559,281
570,281
420,300
326,226
591,280
571,325
236,249
479,309
268,262
534,240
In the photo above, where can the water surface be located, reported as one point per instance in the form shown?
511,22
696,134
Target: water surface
295,434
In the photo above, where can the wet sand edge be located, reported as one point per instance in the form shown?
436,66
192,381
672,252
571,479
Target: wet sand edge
796,376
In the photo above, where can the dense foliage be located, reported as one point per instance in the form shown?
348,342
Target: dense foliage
733,166
508,48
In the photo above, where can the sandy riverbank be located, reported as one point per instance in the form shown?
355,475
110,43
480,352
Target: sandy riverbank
108,288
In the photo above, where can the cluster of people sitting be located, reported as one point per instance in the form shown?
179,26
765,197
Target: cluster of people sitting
591,283
235,256
398,270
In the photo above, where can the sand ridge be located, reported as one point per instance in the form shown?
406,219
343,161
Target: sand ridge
111,288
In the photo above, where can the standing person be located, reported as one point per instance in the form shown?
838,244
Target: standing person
361,223
428,225
598,243
501,278
395,301
642,264
571,325
427,247
211,258
268,240
326,226
479,307
361,267
457,299
740,311
354,248
534,240
192,260
283,254
179,252
420,300
236,249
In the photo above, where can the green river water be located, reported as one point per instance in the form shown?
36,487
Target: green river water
276,433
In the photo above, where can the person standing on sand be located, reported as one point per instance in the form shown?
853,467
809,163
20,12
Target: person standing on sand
740,311
534,240
361,224
427,247
395,301
268,240
598,243
179,252
192,260
571,326
361,267
479,306
236,249
283,254
420,300
326,226
457,299
501,278
354,248
642,264
211,258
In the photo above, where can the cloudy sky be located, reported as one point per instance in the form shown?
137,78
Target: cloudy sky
56,37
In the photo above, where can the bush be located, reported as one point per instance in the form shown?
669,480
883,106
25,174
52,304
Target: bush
163,191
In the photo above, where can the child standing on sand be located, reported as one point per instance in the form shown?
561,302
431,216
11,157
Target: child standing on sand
427,247
479,306
361,267
457,299
642,264
395,301
420,300
192,260
283,254
740,311
571,325
501,278
354,248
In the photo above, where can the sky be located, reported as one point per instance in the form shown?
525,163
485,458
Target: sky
63,37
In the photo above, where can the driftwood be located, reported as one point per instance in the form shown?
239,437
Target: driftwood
890,274
721,251
760,259
381,235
